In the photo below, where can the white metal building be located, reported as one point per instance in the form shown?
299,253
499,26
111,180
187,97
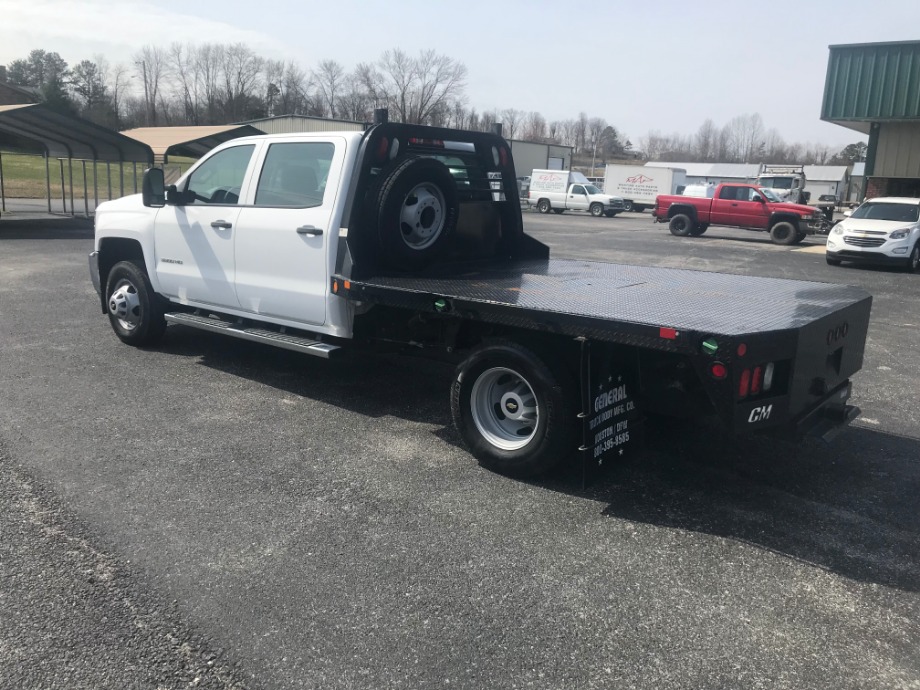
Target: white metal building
531,155
826,179
289,124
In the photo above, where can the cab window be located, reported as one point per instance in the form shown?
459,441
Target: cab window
578,189
218,180
730,193
294,174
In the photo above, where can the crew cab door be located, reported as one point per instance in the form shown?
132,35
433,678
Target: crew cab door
281,257
194,241
724,207
751,211
577,198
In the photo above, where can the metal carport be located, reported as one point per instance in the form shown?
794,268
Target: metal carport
34,128
191,142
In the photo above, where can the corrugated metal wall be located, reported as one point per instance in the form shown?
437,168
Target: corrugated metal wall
898,152
874,81
288,124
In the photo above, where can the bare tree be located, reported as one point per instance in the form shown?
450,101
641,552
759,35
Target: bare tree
329,78
534,126
150,63
511,121
240,72
705,141
354,103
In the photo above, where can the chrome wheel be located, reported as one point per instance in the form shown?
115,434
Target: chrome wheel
125,305
422,216
504,408
913,263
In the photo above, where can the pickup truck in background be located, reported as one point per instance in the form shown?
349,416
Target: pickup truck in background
741,206
560,190
409,237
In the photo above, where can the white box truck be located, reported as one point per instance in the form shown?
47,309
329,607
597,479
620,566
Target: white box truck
563,190
639,186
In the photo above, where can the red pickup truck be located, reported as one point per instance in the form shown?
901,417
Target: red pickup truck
741,206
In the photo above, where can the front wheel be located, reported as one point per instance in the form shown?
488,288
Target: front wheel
913,263
597,210
511,410
135,310
784,233
681,225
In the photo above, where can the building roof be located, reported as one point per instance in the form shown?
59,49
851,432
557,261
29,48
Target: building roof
859,169
872,82
192,142
33,127
740,171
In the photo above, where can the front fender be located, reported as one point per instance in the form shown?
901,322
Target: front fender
120,224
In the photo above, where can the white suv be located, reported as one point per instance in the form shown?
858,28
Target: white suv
881,231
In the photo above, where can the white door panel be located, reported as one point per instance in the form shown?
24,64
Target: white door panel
194,259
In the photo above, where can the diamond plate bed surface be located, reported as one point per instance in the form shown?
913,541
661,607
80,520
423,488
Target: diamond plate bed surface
677,298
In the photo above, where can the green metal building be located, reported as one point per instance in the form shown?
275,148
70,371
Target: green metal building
874,88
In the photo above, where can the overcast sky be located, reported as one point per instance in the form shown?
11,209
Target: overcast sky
642,66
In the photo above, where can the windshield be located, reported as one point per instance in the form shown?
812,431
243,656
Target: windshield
907,213
769,195
777,182
592,189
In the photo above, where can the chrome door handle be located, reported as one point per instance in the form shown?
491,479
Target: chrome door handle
310,230
222,224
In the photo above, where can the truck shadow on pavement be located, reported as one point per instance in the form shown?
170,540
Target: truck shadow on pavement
849,507
63,228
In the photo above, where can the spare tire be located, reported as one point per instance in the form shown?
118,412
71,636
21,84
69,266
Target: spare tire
416,209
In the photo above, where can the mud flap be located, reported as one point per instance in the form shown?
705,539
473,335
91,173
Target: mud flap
610,417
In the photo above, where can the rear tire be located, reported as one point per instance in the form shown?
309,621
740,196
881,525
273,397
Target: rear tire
783,233
558,211
596,210
681,225
512,410
135,310
543,206
627,205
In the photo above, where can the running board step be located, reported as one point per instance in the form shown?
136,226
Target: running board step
239,329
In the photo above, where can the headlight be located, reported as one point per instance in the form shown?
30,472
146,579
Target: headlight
808,217
837,230
899,234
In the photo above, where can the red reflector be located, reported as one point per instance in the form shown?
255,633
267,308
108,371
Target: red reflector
742,350
718,370
669,333
382,148
756,380
745,383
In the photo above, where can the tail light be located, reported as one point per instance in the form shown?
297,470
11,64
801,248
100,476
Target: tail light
756,380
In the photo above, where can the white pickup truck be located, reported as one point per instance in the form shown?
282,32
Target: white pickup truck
414,235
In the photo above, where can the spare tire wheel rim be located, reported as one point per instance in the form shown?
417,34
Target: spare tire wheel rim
504,408
421,219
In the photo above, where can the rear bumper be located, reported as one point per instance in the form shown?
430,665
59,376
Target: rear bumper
829,417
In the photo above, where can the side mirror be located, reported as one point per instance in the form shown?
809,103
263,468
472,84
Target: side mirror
153,189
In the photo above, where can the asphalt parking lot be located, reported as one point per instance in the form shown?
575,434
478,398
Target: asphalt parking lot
214,513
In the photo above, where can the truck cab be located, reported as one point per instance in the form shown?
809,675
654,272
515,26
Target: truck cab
560,190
